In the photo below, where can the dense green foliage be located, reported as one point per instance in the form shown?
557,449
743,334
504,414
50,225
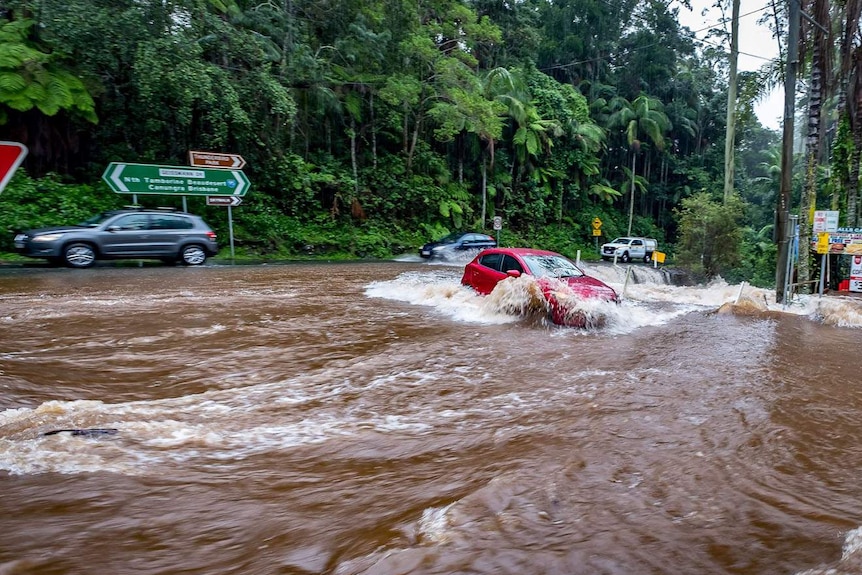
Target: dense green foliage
370,127
710,234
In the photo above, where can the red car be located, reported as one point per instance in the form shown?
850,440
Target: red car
562,283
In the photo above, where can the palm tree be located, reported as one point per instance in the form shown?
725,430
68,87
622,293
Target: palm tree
820,80
850,83
643,117
499,86
533,134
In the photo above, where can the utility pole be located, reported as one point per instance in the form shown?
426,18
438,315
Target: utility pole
730,128
782,210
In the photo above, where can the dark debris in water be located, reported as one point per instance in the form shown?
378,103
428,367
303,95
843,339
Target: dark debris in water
91,432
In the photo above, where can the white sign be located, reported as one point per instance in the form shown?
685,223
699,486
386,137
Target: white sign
825,221
498,223
223,200
856,273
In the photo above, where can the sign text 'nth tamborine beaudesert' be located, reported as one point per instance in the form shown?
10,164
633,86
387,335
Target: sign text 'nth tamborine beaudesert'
125,178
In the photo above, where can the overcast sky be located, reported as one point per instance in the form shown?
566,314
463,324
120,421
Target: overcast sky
756,46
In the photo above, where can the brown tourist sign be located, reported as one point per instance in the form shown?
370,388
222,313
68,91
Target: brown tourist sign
216,160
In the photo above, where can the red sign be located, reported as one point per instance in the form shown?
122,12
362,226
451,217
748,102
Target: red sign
216,160
856,274
11,156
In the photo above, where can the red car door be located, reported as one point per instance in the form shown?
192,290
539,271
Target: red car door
486,271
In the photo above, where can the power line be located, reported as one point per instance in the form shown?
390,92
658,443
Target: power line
693,35
725,21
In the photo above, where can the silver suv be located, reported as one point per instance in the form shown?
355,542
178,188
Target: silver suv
169,235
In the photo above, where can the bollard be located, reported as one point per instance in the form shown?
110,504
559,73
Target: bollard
739,295
626,282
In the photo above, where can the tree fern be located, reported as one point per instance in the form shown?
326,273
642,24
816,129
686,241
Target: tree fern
30,79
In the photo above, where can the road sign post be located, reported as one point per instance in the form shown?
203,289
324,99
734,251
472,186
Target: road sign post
221,161
597,230
498,225
11,156
125,178
228,201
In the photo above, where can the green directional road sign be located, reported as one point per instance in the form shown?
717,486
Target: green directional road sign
174,180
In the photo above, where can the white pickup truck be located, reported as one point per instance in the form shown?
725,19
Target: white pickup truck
628,249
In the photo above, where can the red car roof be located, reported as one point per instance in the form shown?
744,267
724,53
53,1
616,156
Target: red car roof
521,251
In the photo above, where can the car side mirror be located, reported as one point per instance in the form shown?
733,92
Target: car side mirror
114,228
513,273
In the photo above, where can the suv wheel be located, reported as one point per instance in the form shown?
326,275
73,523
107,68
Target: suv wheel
193,255
625,258
79,255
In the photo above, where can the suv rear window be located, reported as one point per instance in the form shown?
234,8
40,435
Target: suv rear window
170,222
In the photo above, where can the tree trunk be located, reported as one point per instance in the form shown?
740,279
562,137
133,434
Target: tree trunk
373,132
730,129
412,150
632,198
853,183
853,190
647,176
782,208
484,192
353,162
560,204
405,129
855,103
812,151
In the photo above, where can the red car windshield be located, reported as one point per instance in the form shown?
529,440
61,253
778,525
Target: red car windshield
551,266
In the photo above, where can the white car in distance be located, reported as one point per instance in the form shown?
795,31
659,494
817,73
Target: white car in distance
626,249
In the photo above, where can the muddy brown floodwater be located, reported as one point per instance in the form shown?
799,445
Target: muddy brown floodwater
378,418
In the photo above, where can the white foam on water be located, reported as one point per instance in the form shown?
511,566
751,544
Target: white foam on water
442,291
434,524
838,311
850,561
518,299
208,428
648,303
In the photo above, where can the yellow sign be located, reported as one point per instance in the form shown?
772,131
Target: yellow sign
823,243
597,232
597,223
658,257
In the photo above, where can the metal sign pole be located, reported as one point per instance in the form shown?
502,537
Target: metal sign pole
823,258
793,247
230,227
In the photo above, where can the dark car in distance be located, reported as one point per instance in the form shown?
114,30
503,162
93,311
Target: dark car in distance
135,233
561,282
457,242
